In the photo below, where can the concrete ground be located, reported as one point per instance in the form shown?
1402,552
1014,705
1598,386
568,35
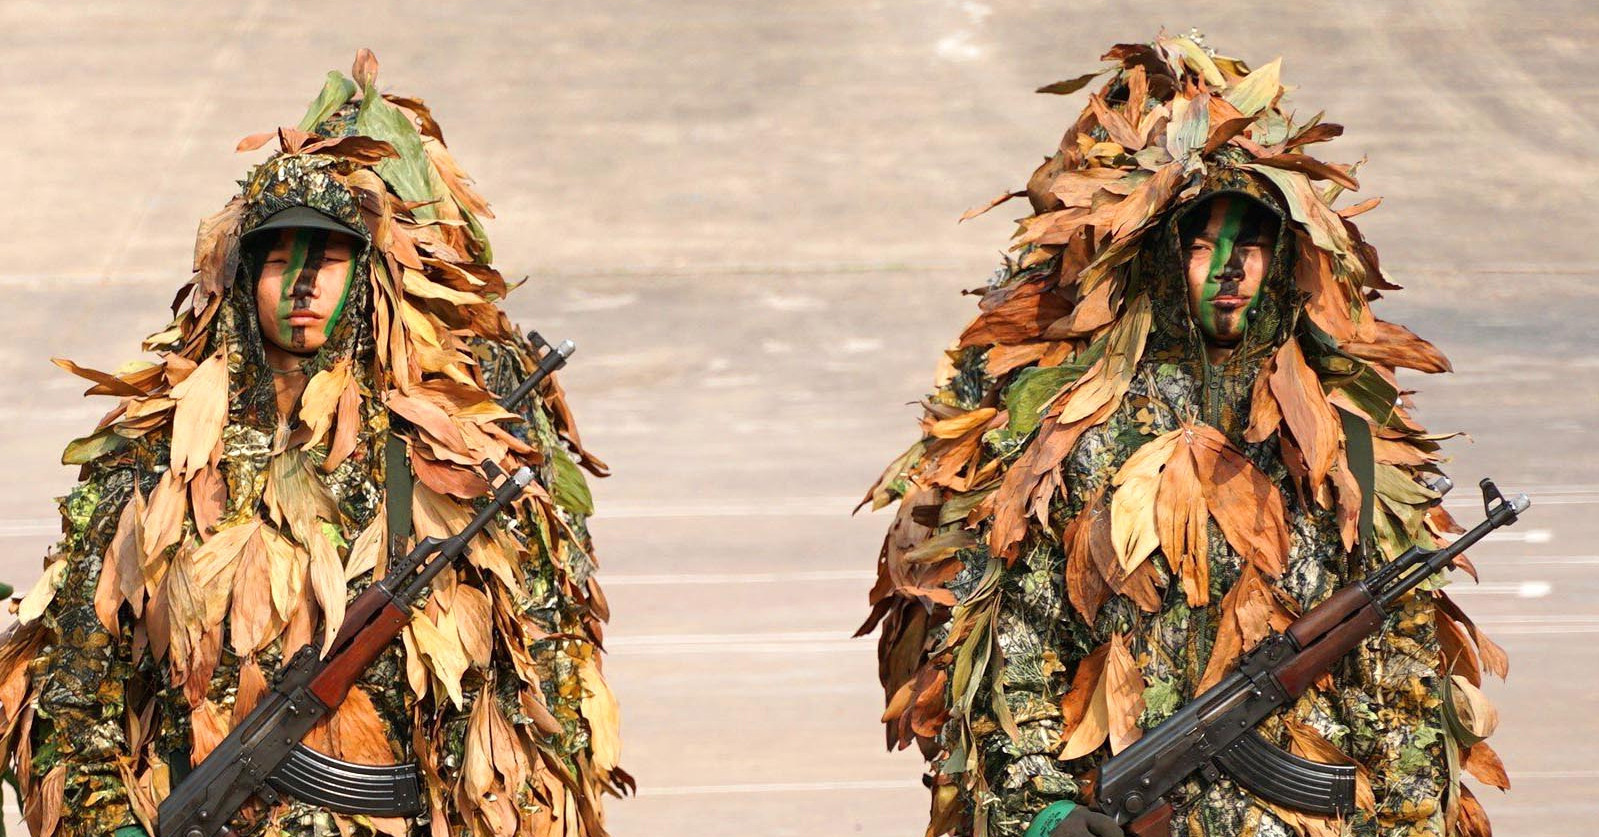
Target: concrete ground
744,214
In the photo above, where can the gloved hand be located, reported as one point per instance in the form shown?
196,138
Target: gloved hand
1068,819
129,831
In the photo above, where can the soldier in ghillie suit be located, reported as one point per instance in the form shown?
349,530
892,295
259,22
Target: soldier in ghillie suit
329,382
1139,462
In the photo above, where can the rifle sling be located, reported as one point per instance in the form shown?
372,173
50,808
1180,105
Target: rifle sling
398,483
1363,463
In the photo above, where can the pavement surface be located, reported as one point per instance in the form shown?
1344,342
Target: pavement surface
744,213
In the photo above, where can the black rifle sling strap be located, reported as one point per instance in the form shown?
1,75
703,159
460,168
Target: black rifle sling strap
1363,462
397,483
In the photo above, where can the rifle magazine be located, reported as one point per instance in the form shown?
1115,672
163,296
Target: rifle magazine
392,790
1278,776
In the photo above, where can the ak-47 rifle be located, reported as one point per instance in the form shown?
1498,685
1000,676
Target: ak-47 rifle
1215,733
263,757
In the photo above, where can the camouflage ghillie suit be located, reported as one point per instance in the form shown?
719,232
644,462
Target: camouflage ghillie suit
1099,520
211,537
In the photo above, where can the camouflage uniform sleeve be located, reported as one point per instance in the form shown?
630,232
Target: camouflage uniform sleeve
1403,729
80,678
1022,769
1400,734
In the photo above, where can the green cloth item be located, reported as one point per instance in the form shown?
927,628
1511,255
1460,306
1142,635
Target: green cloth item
130,831
1044,824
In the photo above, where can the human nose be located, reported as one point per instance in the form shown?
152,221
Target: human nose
1234,268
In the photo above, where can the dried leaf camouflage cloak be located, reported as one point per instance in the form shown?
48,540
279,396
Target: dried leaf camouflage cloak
208,538
1098,521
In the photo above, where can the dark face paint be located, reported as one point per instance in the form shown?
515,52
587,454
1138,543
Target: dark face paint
307,253
1241,226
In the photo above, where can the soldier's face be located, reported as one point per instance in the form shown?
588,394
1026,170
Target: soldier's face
303,286
1227,258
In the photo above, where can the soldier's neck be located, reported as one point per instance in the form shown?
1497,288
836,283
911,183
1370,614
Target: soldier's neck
288,378
1217,355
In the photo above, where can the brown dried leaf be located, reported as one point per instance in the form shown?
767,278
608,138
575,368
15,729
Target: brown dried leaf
1311,168
1092,725
367,548
1249,612
106,383
440,648
1086,586
1315,426
1472,820
288,562
474,623
362,150
252,621
1477,713
1494,659
1482,762
208,497
42,807
202,409
600,710
428,416
356,732
979,210
1184,525
162,524
1124,694
320,401
254,141
326,574
365,68
252,686
957,426
1133,506
1074,705
1396,345
1021,318
1460,656
1244,502
1115,124
209,724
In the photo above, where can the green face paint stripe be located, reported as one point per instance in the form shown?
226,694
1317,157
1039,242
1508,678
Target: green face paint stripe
1225,239
299,247
338,310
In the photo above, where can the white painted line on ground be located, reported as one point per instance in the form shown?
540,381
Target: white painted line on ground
798,642
30,527
695,579
1551,560
780,787
1523,536
1522,589
1533,625
840,642
838,507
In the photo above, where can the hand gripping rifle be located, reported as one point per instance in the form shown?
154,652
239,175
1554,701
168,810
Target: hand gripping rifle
263,755
1215,733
